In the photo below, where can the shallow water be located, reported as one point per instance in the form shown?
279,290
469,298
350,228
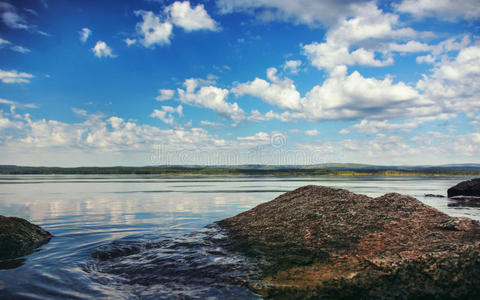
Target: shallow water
130,237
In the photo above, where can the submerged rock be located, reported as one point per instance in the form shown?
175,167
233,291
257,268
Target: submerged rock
18,237
320,242
465,188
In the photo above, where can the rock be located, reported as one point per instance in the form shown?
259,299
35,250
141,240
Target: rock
319,242
434,196
18,237
465,188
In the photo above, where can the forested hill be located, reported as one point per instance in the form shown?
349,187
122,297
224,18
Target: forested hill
326,169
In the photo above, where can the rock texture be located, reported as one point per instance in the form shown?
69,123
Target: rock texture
18,237
320,242
465,188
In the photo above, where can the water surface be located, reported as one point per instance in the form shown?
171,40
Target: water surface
130,237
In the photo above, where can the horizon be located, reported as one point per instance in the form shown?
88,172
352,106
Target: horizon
235,83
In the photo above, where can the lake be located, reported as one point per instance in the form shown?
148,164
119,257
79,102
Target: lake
134,236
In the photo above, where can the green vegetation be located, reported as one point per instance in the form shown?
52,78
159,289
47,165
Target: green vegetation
241,170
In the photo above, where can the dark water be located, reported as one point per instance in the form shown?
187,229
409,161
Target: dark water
132,237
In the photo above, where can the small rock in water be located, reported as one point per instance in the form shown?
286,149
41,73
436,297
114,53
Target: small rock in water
434,196
465,188
319,242
18,237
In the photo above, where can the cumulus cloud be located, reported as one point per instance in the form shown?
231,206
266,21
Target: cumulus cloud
409,47
13,76
450,10
454,81
84,34
340,96
344,96
210,97
101,49
165,94
152,30
368,23
280,92
190,19
292,66
130,42
166,114
157,30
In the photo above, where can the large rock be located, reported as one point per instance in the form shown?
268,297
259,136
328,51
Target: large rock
18,237
320,242
465,188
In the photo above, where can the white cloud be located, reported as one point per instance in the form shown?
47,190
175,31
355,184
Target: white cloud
257,116
101,49
312,13
341,96
281,92
292,66
211,124
165,94
313,132
13,76
80,112
17,104
375,126
15,48
328,56
11,18
454,81
166,114
152,31
450,10
368,23
210,97
84,34
20,49
410,47
130,42
4,42
190,19
344,96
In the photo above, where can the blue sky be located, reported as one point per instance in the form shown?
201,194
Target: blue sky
238,81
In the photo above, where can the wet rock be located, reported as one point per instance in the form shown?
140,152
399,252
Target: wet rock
18,237
465,188
434,196
320,242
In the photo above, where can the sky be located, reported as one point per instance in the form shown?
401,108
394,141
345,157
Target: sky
230,82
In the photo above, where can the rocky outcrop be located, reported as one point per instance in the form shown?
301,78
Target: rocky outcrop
18,237
320,242
470,188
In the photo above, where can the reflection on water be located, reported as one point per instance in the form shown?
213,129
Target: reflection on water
141,224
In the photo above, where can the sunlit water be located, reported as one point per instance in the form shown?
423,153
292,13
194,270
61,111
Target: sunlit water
131,237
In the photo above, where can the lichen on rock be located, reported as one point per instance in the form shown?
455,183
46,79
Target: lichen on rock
320,242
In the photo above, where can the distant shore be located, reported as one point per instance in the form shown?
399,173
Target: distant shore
243,170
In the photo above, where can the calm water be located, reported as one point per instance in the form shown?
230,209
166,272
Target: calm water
130,237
